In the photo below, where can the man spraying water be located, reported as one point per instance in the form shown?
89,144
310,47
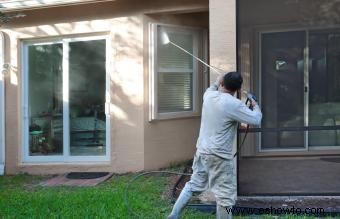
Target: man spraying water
213,165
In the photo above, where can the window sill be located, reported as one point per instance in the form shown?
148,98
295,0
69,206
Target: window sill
175,116
80,163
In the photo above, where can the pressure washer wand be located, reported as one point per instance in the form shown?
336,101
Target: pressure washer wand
165,40
198,59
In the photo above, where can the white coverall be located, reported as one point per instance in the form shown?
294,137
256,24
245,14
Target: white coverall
213,165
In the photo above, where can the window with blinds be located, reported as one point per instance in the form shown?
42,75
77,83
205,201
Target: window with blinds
176,74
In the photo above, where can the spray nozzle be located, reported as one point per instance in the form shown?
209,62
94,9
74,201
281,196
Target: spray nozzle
164,38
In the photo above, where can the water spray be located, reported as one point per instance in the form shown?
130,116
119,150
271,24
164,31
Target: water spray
165,40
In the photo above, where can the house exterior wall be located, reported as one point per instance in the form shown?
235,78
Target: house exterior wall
126,110
172,140
222,37
125,25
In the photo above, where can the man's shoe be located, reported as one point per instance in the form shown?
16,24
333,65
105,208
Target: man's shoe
223,212
181,202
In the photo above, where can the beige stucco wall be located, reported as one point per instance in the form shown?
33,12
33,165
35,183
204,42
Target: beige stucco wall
222,35
126,74
124,24
173,140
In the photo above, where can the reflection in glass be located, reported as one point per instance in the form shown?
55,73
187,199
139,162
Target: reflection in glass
87,98
324,83
282,79
45,100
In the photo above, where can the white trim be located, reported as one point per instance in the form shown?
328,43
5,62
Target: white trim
24,96
205,70
65,157
2,105
66,105
109,71
152,76
14,5
199,36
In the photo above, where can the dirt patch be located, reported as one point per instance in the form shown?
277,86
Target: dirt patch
203,198
168,190
331,203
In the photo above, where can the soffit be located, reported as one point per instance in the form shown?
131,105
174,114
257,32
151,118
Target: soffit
18,5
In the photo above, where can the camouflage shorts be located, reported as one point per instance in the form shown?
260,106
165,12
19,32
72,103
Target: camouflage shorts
214,173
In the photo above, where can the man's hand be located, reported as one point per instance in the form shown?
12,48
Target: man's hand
219,80
253,103
243,126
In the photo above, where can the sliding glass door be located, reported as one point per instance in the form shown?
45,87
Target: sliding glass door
324,87
64,100
296,95
87,97
282,80
45,99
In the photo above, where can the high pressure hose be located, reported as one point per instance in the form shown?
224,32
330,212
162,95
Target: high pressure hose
250,97
126,201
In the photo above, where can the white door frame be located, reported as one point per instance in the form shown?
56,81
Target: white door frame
65,157
2,104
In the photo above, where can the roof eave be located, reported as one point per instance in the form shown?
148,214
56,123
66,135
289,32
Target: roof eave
7,7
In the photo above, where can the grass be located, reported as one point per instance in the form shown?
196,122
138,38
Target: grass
22,197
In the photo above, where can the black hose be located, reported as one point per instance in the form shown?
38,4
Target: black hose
126,201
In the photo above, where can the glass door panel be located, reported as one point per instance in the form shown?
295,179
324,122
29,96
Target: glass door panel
87,77
45,102
324,87
282,88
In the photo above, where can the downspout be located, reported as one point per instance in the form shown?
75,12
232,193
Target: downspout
2,104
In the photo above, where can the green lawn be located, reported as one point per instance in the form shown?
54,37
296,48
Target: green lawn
22,197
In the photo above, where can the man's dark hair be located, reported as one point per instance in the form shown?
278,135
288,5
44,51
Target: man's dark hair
232,81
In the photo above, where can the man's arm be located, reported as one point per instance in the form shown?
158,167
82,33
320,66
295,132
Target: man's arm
245,115
214,86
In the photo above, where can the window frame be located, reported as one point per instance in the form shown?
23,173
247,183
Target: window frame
259,32
199,49
65,157
3,71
